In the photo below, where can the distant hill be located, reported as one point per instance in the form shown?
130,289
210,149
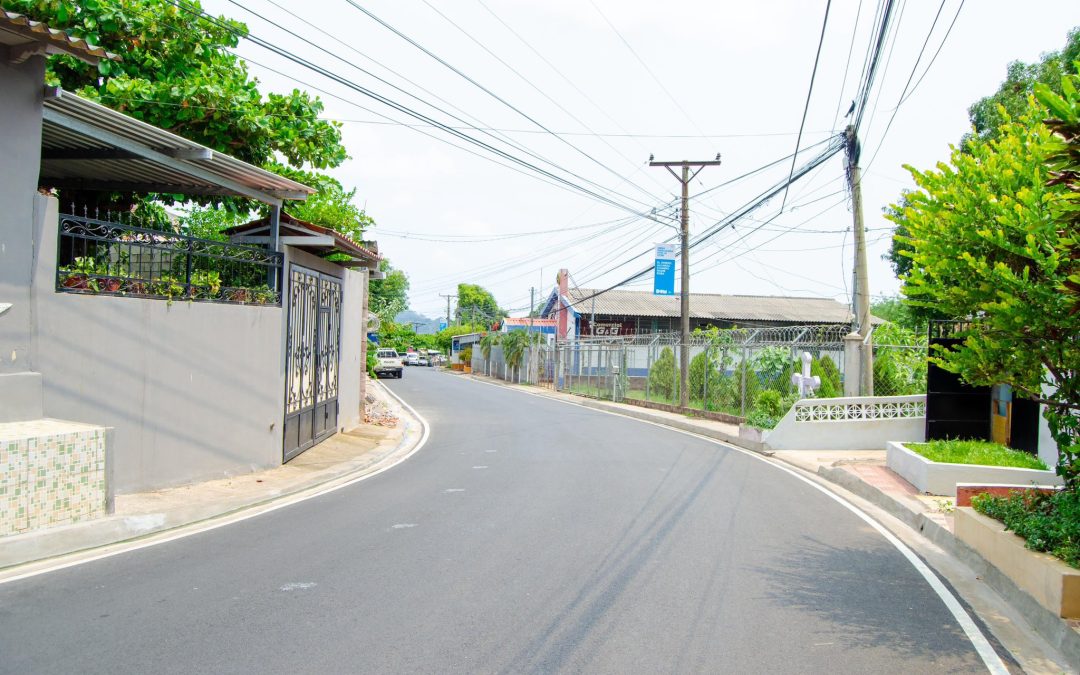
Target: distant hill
424,325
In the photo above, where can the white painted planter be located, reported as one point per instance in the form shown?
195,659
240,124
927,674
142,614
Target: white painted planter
1052,583
938,478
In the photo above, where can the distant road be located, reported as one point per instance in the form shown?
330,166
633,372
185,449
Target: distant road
527,536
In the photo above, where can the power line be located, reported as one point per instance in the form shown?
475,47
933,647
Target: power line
646,67
475,83
809,93
536,88
934,58
398,106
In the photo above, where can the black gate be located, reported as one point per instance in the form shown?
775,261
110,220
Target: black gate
311,359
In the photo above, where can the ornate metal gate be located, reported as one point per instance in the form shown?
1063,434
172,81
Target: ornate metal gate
311,359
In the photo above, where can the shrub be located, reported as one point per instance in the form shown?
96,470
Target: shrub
767,411
830,377
662,377
466,356
1048,522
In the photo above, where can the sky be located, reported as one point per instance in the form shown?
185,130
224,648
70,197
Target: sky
587,90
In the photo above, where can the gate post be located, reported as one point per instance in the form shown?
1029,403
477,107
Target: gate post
852,363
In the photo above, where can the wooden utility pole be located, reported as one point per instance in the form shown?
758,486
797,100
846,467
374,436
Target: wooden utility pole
448,298
684,237
861,291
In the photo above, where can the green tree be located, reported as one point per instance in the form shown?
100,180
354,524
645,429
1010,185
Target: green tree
1010,101
985,246
476,305
389,296
332,206
178,72
826,369
662,380
987,115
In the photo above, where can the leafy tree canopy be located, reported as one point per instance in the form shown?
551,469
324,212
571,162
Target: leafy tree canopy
986,246
178,73
477,305
987,115
389,296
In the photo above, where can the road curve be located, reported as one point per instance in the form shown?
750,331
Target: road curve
527,536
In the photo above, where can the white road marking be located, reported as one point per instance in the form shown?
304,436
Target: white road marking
982,646
454,490
403,526
222,521
480,467
298,586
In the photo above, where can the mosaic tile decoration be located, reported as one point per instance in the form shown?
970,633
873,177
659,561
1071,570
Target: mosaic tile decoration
51,473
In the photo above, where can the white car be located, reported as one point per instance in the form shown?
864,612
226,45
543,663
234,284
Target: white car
412,359
422,360
389,363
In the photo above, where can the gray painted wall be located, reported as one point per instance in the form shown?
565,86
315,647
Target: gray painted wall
20,161
194,390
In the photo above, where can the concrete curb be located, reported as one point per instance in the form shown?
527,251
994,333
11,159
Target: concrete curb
1055,630
82,538
638,412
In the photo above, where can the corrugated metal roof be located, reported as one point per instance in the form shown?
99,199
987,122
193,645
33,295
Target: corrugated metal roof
713,306
17,30
74,126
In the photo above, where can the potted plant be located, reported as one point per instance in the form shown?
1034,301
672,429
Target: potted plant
205,284
81,275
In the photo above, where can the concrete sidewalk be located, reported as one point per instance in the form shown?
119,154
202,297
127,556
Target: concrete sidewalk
864,474
341,458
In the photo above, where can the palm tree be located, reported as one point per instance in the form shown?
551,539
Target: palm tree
486,343
514,344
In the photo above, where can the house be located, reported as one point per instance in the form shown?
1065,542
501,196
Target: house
581,312
150,358
545,327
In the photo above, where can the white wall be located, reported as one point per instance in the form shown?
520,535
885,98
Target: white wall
851,433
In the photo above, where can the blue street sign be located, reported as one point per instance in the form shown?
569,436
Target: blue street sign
442,325
664,270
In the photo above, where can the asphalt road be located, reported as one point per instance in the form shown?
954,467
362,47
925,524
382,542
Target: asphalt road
527,536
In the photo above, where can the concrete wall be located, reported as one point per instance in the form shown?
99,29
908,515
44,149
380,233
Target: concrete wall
852,423
193,390
20,161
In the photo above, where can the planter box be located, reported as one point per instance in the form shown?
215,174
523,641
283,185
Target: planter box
939,478
457,366
1052,583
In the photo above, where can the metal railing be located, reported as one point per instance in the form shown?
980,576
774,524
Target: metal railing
109,258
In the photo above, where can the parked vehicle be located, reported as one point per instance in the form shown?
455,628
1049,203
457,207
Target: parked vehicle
389,363
412,359
422,360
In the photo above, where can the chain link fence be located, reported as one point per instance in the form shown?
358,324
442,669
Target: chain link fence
731,371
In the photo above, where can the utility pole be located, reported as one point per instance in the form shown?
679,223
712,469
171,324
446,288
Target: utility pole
448,298
532,348
684,237
861,290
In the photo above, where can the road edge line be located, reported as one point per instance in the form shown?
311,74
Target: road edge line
217,521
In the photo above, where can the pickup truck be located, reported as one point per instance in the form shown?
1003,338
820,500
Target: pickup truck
389,363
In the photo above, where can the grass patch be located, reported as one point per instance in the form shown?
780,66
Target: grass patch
1048,522
975,452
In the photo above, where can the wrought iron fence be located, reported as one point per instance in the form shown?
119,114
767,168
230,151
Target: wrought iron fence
109,258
